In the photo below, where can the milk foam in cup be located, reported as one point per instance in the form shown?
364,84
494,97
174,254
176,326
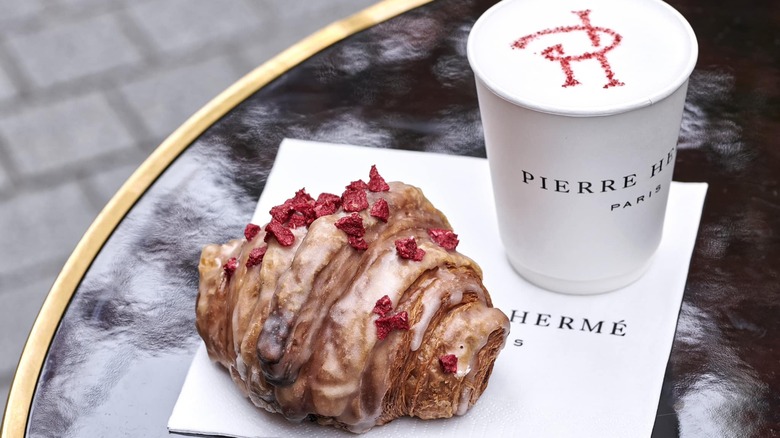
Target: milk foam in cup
581,103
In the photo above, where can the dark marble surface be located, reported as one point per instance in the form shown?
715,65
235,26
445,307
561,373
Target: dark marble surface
121,353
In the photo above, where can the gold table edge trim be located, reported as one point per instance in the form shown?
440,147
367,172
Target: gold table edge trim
28,370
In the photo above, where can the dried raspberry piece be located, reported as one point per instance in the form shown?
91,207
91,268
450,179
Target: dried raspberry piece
383,306
230,266
354,200
256,256
352,225
304,204
358,243
308,214
326,204
357,185
380,210
386,324
376,183
328,198
445,238
297,220
407,249
281,213
449,363
301,198
283,234
381,330
251,231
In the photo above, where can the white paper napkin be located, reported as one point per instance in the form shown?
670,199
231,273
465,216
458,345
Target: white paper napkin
573,366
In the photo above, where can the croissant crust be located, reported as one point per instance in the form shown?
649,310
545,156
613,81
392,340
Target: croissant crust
298,331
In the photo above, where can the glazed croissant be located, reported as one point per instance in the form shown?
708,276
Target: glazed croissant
351,310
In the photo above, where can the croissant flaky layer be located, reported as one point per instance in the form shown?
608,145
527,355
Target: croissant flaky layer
351,311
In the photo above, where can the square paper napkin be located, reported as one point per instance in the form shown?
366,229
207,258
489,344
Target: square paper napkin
584,366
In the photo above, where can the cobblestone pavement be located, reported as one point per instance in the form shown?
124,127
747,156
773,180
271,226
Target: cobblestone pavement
88,88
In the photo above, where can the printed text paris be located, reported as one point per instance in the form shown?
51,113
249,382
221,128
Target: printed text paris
601,186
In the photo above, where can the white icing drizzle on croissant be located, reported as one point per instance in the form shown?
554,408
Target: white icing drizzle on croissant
299,336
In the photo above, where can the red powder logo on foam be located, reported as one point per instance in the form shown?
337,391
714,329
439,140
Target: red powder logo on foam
557,52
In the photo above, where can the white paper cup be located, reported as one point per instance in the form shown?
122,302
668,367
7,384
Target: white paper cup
581,103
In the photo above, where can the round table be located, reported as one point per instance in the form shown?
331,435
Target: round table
110,349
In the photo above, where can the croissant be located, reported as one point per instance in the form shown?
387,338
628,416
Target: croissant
351,310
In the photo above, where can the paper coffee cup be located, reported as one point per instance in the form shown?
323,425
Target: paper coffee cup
581,104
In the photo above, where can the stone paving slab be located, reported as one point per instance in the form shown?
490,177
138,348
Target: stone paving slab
167,99
41,226
20,9
47,137
302,12
5,386
309,18
104,185
171,30
5,182
22,305
91,5
25,301
70,51
7,88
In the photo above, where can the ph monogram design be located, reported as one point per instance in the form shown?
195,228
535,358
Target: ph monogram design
558,54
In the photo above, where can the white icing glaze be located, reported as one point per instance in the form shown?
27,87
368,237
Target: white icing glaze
465,399
432,301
